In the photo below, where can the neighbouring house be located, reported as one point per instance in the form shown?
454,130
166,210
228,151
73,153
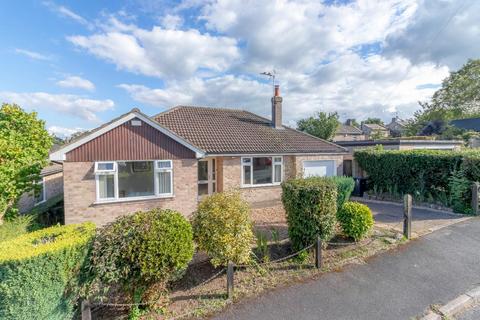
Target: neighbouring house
51,186
469,124
374,130
397,127
348,132
352,169
173,159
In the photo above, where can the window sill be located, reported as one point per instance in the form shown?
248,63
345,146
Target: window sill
247,186
133,199
39,203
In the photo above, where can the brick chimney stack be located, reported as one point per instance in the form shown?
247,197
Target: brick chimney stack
277,109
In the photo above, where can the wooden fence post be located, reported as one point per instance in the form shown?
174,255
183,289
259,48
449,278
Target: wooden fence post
318,253
475,187
230,280
86,311
407,216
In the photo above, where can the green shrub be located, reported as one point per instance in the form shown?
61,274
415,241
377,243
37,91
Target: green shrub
18,226
460,192
345,186
310,205
356,219
426,174
138,250
223,229
40,272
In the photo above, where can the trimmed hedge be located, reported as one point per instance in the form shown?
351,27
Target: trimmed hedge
311,206
222,228
356,219
426,174
40,272
345,186
138,250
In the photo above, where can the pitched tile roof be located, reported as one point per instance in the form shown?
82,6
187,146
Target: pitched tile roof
374,126
346,129
233,131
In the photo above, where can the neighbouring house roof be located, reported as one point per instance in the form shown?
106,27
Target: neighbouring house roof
390,142
467,124
52,168
233,131
346,129
374,126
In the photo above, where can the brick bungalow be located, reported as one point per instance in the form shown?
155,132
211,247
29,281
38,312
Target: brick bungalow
173,159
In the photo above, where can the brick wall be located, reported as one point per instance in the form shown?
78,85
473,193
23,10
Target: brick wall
260,197
53,186
80,194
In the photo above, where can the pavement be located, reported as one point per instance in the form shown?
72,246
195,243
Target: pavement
470,314
425,220
398,284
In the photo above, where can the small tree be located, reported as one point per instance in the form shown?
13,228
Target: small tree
24,146
373,121
322,125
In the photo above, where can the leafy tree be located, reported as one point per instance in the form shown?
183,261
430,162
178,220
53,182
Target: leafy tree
377,135
458,98
24,146
373,121
323,125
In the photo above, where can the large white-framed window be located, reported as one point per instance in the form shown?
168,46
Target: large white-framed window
262,171
40,194
132,180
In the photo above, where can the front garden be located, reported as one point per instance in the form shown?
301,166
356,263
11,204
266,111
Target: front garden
143,264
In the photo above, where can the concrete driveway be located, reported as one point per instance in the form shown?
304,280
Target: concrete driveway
390,215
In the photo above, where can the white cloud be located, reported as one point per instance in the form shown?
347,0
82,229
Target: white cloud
300,34
67,104
65,12
63,132
160,52
353,86
443,32
76,82
32,54
171,21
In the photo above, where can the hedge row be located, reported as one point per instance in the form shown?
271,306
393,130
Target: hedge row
39,272
429,175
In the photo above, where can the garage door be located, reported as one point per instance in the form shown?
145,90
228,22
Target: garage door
319,168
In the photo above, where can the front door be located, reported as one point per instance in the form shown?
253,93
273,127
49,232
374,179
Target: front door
206,177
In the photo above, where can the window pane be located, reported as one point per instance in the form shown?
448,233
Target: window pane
39,193
213,169
247,160
164,185
262,170
278,159
246,175
278,173
202,189
106,186
202,170
105,166
164,165
135,179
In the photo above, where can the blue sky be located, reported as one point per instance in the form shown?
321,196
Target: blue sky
81,63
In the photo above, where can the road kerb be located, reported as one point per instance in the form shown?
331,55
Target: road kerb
455,306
